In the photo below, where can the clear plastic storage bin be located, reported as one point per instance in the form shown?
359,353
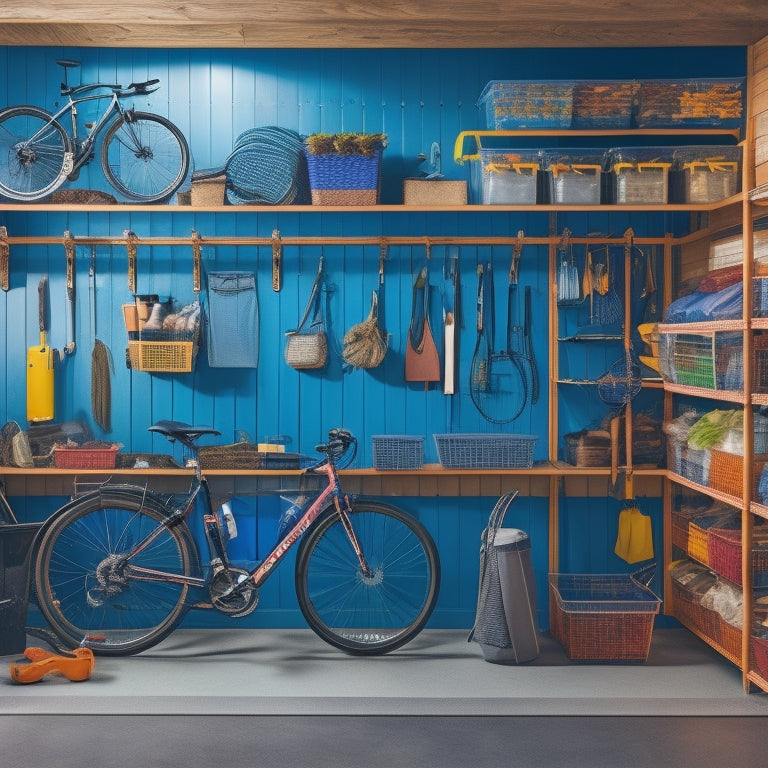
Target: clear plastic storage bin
515,104
505,177
706,174
574,176
640,175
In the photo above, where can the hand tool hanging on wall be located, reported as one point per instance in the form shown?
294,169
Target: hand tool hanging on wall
69,249
517,335
4,258
40,371
101,385
450,306
497,385
422,362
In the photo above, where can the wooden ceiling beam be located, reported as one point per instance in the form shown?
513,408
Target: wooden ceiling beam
396,24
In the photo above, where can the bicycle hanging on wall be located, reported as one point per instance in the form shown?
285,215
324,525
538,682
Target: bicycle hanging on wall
144,156
118,568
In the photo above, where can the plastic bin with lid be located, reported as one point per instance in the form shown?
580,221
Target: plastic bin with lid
640,175
574,176
535,104
705,174
505,176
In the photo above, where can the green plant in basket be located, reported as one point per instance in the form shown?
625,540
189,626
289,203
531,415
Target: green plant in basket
345,143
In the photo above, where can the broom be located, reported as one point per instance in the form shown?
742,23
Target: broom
101,386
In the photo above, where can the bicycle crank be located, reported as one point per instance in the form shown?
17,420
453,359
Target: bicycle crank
233,593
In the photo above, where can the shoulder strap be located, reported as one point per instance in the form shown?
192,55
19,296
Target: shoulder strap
314,304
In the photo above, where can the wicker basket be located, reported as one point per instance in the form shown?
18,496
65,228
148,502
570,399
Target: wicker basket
161,356
242,455
709,623
760,652
602,618
588,448
209,190
85,458
344,179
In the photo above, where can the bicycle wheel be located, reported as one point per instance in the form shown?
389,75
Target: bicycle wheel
368,615
145,156
35,153
84,584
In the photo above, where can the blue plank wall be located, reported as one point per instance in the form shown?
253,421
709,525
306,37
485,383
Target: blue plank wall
415,97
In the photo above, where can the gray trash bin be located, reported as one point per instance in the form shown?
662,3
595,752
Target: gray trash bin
505,623
15,551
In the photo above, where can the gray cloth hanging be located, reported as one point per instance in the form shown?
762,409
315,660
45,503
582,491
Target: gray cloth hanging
232,324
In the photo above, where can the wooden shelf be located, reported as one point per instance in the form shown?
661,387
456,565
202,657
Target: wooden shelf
351,209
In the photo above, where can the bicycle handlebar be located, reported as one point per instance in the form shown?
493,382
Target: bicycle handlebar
339,442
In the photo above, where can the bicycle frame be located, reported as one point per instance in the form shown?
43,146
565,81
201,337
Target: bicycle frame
82,149
218,556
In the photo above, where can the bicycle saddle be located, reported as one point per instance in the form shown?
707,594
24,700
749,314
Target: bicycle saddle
184,433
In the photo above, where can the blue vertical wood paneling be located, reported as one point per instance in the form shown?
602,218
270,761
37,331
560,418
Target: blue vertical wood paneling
415,97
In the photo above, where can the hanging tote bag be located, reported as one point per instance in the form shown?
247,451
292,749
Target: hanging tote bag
232,330
306,347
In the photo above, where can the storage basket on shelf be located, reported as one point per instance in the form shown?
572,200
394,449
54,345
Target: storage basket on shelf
603,617
398,451
588,448
86,456
485,451
711,360
760,653
208,187
725,555
344,169
725,472
516,104
689,610
695,464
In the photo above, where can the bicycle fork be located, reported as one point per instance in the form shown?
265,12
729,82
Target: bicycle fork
343,511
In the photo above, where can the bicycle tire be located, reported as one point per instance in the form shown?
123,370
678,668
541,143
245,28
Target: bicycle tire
80,581
35,151
144,157
375,615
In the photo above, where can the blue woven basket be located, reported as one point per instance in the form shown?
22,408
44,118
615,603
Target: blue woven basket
344,179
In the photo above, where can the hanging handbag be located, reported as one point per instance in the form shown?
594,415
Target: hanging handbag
306,347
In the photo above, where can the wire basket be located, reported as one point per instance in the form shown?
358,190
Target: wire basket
485,451
603,617
398,451
725,555
725,472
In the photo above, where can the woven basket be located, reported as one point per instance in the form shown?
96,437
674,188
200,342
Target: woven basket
242,455
588,448
344,179
709,623
209,191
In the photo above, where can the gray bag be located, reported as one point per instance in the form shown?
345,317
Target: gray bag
233,320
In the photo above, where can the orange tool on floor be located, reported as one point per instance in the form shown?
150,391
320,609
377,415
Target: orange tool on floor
76,666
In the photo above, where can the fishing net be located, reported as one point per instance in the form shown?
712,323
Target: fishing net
365,344
621,382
